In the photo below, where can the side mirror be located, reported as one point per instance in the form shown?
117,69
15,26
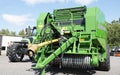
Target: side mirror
34,28
26,29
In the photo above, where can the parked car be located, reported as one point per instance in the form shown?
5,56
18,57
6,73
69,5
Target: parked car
117,51
113,50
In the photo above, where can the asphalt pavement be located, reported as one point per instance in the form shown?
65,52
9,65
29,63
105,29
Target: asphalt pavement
24,68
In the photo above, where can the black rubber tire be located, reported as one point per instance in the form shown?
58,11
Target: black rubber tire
105,66
14,53
0,52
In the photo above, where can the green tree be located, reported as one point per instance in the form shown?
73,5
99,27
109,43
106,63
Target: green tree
21,32
5,32
113,29
13,33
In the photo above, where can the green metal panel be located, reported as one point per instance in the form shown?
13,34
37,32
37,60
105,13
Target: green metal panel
95,21
90,19
41,21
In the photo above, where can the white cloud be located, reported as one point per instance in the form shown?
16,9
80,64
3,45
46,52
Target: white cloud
82,2
33,2
17,19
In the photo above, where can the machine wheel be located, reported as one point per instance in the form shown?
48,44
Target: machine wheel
105,66
15,53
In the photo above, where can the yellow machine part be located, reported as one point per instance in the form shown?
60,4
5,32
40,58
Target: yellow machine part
34,47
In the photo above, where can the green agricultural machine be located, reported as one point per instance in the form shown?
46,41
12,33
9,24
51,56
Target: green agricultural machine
71,38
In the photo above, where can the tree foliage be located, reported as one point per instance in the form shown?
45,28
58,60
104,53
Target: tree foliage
22,32
13,33
4,32
114,32
7,32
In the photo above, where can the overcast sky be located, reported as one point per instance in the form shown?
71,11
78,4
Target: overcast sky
18,14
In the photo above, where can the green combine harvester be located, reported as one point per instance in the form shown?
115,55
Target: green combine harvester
71,38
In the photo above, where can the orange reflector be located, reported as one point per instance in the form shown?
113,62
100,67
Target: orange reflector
117,54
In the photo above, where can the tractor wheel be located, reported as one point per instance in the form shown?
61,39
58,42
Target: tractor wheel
105,66
15,53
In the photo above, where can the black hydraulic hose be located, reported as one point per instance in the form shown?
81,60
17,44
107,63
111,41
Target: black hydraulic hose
44,34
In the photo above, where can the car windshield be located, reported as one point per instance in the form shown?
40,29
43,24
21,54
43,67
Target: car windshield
113,47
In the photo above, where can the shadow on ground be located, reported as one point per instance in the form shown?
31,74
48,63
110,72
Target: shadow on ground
26,60
23,61
67,71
